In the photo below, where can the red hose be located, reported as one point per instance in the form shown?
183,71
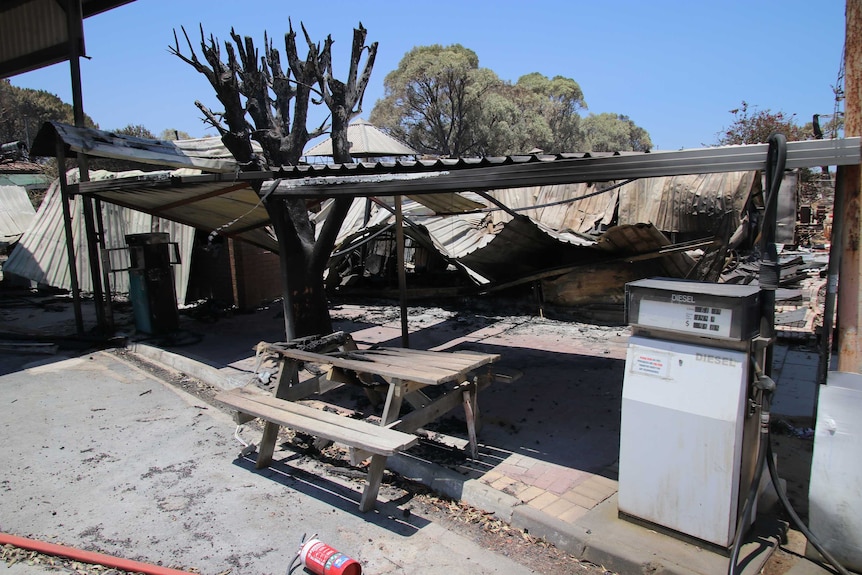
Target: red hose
87,556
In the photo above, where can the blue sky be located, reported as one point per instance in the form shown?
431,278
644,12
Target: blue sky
675,67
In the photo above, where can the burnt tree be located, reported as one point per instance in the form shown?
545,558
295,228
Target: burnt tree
268,104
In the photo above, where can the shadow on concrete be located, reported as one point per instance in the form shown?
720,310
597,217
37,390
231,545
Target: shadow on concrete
564,409
386,514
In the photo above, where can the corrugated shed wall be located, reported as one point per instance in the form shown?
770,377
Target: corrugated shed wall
16,212
40,256
695,203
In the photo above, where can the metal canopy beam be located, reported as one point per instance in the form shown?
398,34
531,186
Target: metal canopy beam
415,178
804,154
420,178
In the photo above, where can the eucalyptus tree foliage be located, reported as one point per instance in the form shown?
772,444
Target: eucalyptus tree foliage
556,103
269,103
611,132
441,102
24,110
433,100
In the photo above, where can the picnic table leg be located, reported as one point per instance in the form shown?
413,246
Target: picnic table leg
391,409
394,399
288,374
375,477
267,445
471,414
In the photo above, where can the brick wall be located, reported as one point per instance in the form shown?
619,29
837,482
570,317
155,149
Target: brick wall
256,275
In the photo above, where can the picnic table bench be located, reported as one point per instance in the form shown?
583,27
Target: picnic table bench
403,371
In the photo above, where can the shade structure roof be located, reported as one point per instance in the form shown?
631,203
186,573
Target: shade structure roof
35,33
366,141
226,202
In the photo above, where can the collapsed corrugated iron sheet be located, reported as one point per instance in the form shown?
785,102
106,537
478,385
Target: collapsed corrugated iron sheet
16,213
690,203
496,247
41,254
577,208
568,225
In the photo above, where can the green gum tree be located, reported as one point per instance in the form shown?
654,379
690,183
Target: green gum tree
441,102
433,100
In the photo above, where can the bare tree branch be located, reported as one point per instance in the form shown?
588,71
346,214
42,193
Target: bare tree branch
211,118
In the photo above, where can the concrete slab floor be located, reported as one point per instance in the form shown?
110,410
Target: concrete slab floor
551,435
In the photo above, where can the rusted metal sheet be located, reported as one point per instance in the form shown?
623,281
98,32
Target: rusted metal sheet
578,208
690,203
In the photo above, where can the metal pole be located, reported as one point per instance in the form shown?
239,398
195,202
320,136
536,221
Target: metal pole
402,274
70,238
75,25
850,294
105,262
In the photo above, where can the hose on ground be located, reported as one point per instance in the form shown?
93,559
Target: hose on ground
87,556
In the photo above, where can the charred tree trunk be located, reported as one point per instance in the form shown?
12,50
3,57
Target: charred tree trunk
282,138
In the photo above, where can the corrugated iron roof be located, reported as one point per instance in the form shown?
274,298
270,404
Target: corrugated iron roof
482,174
231,207
205,154
366,140
35,33
16,212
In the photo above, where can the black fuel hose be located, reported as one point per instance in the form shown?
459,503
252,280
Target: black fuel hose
769,277
773,473
770,270
776,159
766,387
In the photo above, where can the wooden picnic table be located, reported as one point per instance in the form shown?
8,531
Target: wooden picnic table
405,372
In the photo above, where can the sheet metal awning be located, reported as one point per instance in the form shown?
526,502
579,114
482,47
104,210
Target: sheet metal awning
35,33
230,207
205,154
41,255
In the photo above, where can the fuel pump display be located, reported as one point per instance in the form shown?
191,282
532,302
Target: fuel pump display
689,428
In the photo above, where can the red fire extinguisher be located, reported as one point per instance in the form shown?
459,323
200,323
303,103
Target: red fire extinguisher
321,559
